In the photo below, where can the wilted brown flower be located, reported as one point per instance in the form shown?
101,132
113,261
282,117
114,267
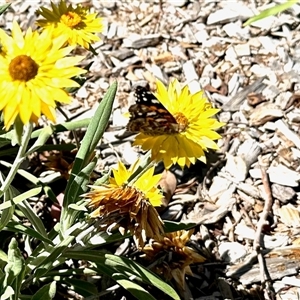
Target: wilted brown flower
129,204
177,256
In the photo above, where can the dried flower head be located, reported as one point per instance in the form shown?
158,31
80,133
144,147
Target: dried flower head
132,201
178,256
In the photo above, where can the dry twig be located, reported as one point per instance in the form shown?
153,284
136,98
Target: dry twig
265,278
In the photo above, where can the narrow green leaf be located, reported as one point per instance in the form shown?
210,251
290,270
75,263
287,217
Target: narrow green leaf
23,173
92,137
15,268
7,293
111,265
123,264
42,139
3,8
7,213
83,288
17,131
174,226
78,184
103,179
78,207
20,228
77,188
20,198
33,179
63,127
45,261
95,130
3,142
47,292
3,256
271,11
36,222
136,290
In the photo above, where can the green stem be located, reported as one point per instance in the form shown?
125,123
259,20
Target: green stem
144,166
18,160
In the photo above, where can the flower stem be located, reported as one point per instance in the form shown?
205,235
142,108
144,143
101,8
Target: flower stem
18,160
144,166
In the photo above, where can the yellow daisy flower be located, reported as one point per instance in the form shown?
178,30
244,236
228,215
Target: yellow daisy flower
33,73
132,201
182,131
76,24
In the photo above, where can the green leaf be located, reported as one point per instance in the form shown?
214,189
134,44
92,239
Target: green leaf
42,139
20,198
77,188
45,261
47,292
20,228
7,213
18,131
83,288
174,226
112,265
271,11
91,139
64,127
78,184
33,218
125,266
3,256
136,290
3,8
33,179
23,173
78,207
95,130
7,293
103,179
15,268
3,142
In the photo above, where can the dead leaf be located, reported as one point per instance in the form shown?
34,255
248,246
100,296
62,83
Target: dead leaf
168,183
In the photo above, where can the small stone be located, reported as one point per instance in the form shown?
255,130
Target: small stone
122,53
242,50
283,193
137,41
178,3
190,71
222,16
232,252
201,36
109,4
265,112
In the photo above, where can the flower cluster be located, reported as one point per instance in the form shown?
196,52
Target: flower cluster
36,67
177,128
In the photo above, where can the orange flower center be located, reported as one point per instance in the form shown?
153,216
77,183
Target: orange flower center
71,19
182,121
23,68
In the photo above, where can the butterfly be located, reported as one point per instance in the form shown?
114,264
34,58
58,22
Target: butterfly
149,116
